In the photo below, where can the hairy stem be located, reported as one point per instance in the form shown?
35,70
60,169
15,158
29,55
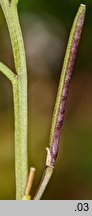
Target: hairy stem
58,114
8,73
44,181
20,95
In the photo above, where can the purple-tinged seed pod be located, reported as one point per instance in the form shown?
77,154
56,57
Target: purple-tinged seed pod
61,109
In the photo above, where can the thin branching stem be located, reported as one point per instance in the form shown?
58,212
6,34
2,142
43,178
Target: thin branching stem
19,94
30,181
59,110
8,73
48,171
29,184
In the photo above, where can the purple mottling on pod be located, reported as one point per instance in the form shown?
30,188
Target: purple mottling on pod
61,111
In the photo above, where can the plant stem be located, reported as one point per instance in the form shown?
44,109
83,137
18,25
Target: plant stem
8,73
20,96
59,110
44,182
30,181
29,184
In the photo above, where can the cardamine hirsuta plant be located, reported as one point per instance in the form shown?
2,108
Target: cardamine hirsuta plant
19,86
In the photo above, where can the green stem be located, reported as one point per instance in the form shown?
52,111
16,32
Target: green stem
44,182
20,96
8,73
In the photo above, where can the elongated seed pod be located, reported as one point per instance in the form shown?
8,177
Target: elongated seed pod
59,109
66,74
